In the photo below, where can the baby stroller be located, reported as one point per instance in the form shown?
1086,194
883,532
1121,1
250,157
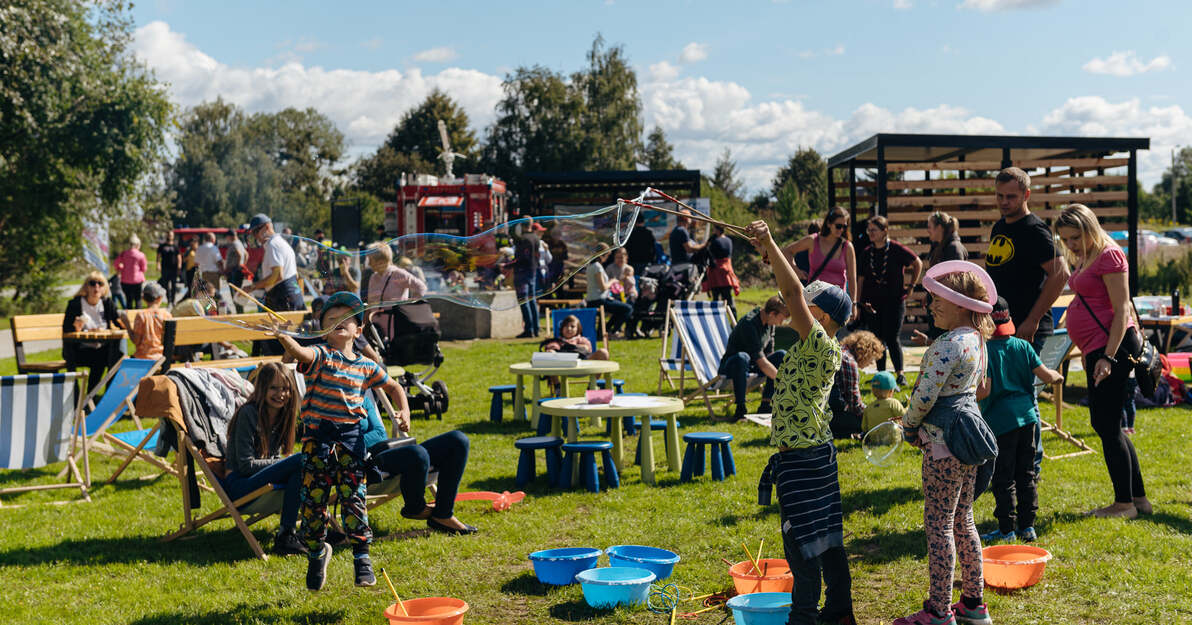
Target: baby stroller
409,335
657,288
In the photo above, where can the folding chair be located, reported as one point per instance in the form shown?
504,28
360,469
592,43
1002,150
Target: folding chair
694,338
589,318
125,377
40,424
1056,350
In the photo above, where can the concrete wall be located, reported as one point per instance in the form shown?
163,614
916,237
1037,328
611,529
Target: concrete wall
465,322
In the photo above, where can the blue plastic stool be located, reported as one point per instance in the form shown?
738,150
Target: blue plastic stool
618,386
544,420
497,407
719,449
525,462
629,424
586,450
656,425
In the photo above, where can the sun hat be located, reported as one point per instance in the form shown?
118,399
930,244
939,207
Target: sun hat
830,299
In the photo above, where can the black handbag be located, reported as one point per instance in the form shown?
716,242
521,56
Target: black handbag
1148,365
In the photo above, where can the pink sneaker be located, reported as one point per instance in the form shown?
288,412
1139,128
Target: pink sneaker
976,616
927,617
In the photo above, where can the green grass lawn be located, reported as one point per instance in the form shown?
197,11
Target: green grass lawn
102,562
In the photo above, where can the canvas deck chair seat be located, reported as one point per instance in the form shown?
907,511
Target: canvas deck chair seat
125,378
1057,349
41,424
694,338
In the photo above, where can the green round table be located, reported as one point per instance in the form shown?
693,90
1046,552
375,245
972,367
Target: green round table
590,369
623,406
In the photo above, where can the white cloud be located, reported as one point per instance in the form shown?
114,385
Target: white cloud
1126,64
663,71
902,5
364,105
441,54
837,50
694,52
1005,5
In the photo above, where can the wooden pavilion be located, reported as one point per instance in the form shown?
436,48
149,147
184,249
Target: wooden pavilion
907,177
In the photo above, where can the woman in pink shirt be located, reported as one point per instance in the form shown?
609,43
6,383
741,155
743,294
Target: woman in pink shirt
131,263
389,284
831,254
1100,323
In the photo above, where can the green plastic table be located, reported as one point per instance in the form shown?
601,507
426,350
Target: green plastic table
590,369
622,406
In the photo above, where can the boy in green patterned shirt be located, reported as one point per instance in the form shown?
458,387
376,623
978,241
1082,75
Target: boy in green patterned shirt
803,471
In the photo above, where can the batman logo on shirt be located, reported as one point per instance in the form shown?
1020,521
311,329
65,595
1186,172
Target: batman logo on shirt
1001,251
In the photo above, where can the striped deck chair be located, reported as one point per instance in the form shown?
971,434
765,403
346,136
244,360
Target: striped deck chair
694,339
40,425
125,377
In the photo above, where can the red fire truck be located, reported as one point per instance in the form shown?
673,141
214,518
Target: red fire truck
458,206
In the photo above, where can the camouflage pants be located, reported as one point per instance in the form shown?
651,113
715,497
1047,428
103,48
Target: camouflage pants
328,469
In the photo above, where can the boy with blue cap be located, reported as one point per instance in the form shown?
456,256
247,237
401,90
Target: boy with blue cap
337,378
884,407
804,471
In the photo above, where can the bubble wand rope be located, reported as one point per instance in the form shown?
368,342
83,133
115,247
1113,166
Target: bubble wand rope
737,230
258,303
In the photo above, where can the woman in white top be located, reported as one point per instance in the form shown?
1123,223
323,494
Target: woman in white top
598,292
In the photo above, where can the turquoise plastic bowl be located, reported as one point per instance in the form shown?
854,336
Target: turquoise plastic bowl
658,561
761,608
615,585
559,566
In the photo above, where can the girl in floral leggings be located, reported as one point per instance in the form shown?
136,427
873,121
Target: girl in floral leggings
951,372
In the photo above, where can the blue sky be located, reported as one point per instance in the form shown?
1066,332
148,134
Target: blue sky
758,77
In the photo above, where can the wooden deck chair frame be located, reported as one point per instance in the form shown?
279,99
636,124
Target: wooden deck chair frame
1056,360
75,478
684,362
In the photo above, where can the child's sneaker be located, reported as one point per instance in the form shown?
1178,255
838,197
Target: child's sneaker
364,572
927,617
976,616
997,536
1028,535
316,569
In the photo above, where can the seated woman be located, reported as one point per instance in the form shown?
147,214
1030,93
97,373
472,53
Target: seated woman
447,453
147,328
260,439
857,351
91,308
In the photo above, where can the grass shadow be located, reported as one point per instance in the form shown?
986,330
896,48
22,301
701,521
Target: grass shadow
515,426
886,547
1180,524
527,585
575,611
262,614
203,548
878,501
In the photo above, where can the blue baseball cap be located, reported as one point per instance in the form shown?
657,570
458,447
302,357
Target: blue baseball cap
258,220
884,380
347,299
830,299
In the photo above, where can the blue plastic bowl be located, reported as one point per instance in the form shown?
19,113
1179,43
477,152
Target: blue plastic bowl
559,566
658,561
615,585
761,608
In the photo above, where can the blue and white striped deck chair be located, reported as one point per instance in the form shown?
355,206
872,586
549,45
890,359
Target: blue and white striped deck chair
125,377
694,339
40,425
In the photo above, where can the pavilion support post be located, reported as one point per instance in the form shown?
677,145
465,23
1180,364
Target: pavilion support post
831,189
961,175
881,181
1132,218
1006,162
852,188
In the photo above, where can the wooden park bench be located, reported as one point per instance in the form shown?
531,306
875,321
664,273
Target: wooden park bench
47,327
191,331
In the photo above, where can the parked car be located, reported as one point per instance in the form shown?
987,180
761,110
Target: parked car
1181,235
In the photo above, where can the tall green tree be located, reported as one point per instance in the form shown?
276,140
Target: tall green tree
417,133
1181,170
377,173
659,153
807,171
81,122
725,176
538,127
612,120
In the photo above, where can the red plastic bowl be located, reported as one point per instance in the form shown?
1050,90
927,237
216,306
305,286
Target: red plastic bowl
428,611
1014,566
777,578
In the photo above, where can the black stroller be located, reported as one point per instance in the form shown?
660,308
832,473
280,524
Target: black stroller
660,285
410,336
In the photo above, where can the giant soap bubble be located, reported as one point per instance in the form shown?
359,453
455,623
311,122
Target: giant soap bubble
479,271
882,443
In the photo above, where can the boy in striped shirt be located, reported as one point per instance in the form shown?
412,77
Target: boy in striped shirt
337,377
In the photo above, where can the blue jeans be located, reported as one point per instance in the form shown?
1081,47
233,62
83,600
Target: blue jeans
448,453
737,367
527,294
287,471
618,312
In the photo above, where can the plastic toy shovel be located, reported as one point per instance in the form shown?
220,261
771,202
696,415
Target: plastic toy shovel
501,501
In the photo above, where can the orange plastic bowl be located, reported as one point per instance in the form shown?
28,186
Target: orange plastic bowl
777,576
1014,566
428,611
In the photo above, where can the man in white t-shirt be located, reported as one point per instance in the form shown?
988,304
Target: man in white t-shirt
209,260
278,273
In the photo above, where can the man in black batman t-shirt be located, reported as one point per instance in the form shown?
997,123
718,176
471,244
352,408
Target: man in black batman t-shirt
1023,259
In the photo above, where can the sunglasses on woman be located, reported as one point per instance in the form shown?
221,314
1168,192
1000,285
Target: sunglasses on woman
94,283
840,226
